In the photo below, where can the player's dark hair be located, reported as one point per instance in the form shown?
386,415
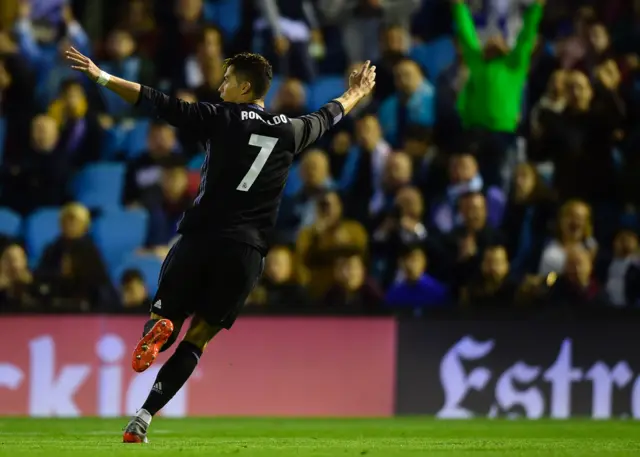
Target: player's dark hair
253,68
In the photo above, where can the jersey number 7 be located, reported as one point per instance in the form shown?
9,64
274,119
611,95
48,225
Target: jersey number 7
266,145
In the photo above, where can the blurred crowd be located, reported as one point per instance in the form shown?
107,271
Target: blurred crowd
494,166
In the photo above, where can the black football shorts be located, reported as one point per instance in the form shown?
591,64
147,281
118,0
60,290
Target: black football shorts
208,277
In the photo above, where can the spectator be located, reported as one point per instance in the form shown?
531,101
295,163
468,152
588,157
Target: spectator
166,202
146,170
208,91
403,226
38,178
491,99
352,290
449,85
580,139
81,135
417,290
74,264
464,177
526,220
208,58
492,287
182,22
291,99
576,287
125,62
575,228
294,31
44,60
553,102
395,44
598,46
133,293
616,266
17,89
19,291
319,245
430,164
361,175
362,19
300,210
468,240
278,287
397,173
138,19
412,104
339,156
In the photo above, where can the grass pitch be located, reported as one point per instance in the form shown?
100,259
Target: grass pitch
322,438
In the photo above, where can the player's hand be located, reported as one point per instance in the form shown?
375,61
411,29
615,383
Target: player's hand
363,79
82,63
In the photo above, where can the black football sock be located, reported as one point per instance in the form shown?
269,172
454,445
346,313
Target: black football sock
172,376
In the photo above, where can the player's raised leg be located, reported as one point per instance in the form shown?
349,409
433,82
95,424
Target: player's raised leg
170,306
171,377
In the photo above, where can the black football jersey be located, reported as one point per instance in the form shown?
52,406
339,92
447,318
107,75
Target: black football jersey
248,155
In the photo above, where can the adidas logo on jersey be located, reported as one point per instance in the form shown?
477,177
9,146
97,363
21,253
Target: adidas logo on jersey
158,304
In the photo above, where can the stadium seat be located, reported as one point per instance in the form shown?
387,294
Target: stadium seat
195,164
119,233
10,223
324,89
41,228
435,56
3,134
99,185
135,140
148,265
227,14
113,143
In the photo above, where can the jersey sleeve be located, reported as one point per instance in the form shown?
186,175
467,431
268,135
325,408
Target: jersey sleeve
195,117
309,128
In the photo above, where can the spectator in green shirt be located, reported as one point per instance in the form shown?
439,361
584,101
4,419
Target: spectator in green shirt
491,99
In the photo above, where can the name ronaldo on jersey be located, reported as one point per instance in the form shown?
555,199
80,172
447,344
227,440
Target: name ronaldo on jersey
252,115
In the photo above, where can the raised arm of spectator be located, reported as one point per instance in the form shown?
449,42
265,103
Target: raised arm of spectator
466,31
271,13
27,43
520,55
78,37
309,11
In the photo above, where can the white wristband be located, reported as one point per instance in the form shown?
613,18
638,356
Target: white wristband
104,78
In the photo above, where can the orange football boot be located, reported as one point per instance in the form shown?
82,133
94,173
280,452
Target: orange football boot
149,346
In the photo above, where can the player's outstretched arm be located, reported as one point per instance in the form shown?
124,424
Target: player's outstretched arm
192,116
127,90
308,129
